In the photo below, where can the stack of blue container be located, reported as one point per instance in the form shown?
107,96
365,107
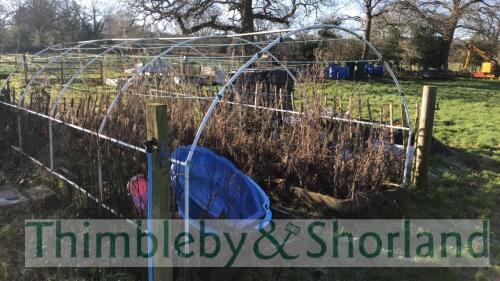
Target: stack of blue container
336,72
374,70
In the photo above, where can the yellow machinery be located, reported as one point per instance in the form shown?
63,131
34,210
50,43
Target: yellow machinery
489,67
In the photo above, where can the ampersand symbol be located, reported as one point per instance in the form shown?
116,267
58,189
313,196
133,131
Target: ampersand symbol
279,246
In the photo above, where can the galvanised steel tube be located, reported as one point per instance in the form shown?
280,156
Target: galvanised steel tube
134,77
25,90
65,89
129,81
256,56
17,67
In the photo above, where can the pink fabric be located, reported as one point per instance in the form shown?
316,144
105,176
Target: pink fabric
138,190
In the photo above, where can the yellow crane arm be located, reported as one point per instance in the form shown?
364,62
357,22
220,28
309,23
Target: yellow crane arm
471,48
467,59
483,54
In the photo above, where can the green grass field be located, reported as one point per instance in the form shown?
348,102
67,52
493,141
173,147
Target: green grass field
464,181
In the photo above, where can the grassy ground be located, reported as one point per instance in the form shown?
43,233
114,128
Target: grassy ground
464,181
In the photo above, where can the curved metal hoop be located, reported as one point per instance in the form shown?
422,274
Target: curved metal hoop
16,68
115,44
135,76
254,58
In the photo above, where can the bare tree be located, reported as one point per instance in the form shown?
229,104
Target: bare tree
35,20
446,16
3,12
96,18
123,23
239,16
35,24
485,22
371,9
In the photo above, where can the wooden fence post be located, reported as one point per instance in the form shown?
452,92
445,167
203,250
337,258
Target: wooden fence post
360,110
157,127
369,110
25,67
102,72
391,121
256,97
403,122
424,136
350,116
61,71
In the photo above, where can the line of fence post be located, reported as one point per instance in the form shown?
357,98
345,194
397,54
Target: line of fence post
157,128
423,136
61,70
25,68
102,72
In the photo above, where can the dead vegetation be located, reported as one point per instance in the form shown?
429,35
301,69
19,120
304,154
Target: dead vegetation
341,159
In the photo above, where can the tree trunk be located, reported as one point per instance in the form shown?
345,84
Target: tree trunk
368,31
247,24
446,54
448,34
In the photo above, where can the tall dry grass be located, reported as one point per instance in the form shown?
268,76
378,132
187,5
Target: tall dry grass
278,150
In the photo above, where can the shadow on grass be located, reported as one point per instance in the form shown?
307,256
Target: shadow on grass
462,185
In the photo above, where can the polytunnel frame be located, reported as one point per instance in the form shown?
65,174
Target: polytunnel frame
134,77
16,68
95,57
217,99
254,58
67,85
35,76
